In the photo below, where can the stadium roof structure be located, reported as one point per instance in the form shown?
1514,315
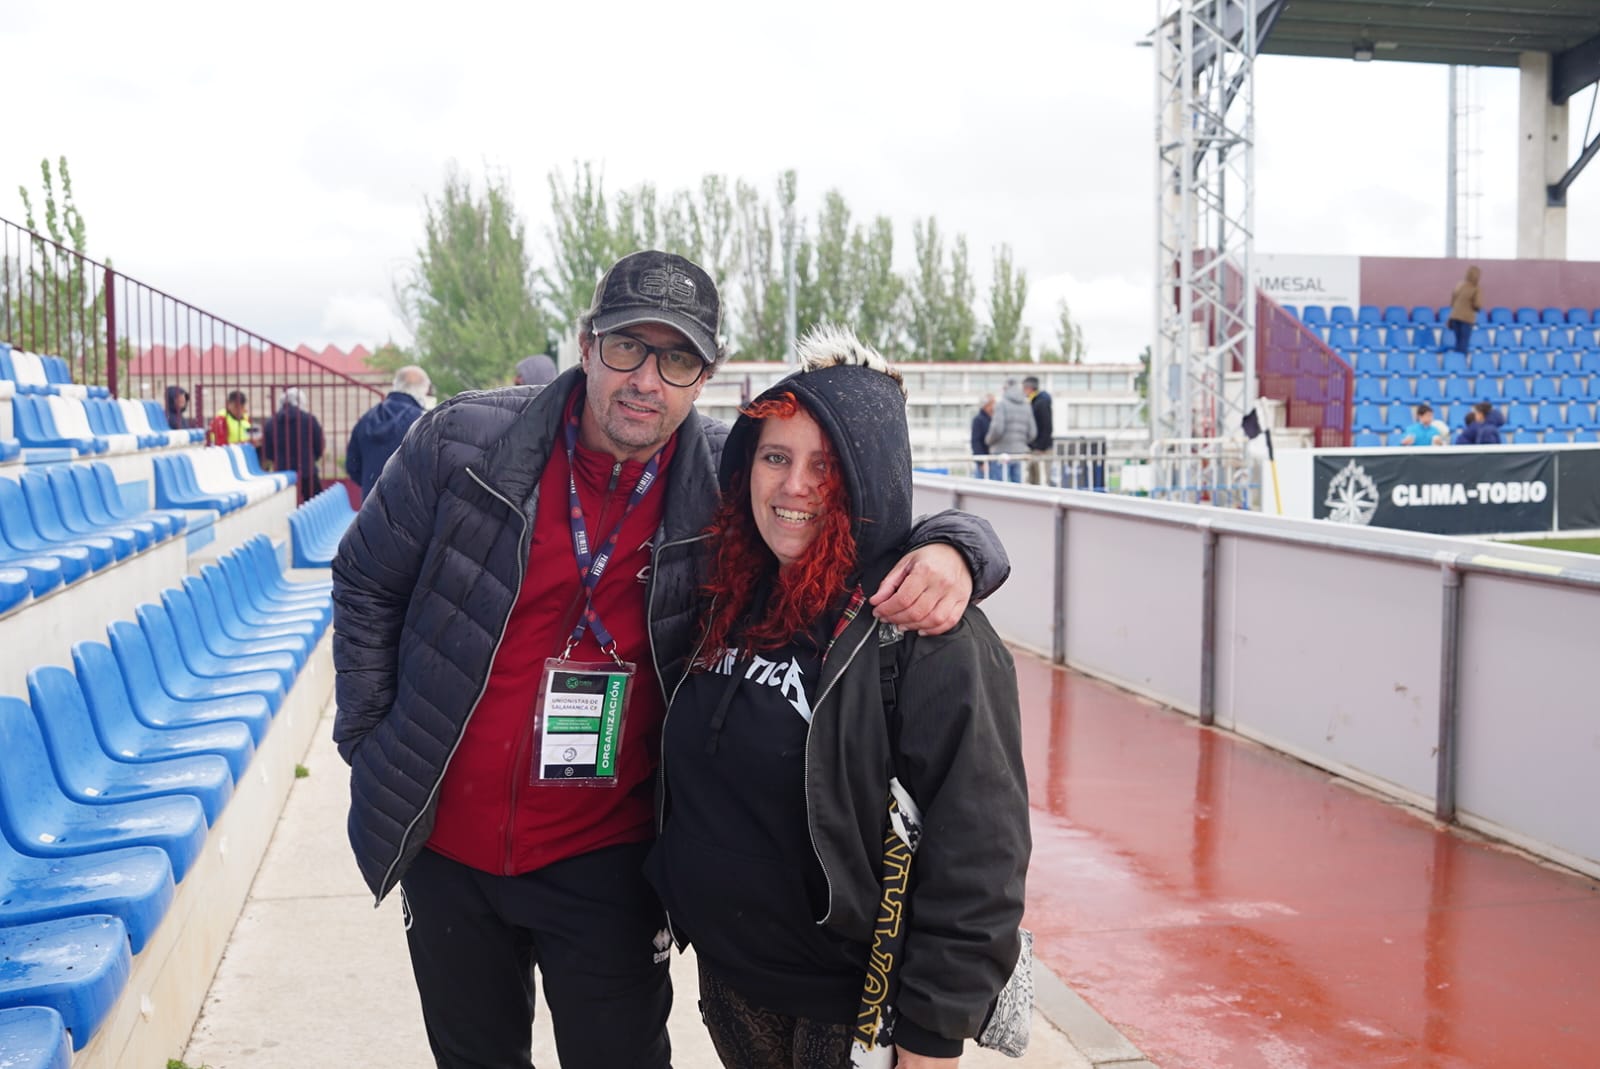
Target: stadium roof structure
1470,33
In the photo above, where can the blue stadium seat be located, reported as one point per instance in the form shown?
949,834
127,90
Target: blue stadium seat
163,630
17,529
1367,415
1462,388
1455,363
1479,339
1399,338
43,822
1552,316
92,496
178,679
35,428
1564,362
1527,316
1482,363
1422,314
1583,338
245,575
1502,337
1402,388
156,707
35,1037
1581,415
16,587
234,601
1515,388
121,733
1587,437
1579,316
1442,314
1340,338
299,638
1369,364
77,966
69,505
1369,339
1539,362
1428,362
1521,415
48,522
258,549
1425,336
1368,440
1429,390
1545,389
1500,316
317,526
117,506
87,774
1369,315
1313,315
1395,315
176,488
1575,387
1341,316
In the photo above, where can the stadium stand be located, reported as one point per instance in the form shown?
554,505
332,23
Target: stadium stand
317,526
1537,365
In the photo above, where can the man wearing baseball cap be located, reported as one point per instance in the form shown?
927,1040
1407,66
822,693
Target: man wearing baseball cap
509,604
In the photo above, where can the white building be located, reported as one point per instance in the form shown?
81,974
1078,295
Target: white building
1090,400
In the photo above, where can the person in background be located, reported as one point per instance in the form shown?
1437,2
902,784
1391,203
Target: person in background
292,441
781,742
1011,428
536,370
1043,441
231,426
380,430
178,418
1468,434
1465,301
1425,431
1490,420
980,435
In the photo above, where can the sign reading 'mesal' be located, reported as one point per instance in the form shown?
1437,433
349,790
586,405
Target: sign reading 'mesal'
1290,278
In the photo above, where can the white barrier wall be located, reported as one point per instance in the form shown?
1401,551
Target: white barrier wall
1359,650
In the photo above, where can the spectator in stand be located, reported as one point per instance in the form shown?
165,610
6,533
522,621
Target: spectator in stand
380,430
1468,434
178,418
292,441
1011,428
231,426
1465,302
1490,420
1425,431
980,436
537,370
1044,432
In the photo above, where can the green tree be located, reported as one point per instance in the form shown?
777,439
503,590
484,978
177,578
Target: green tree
880,317
470,297
1069,335
928,291
581,243
1008,298
960,319
760,280
54,299
832,295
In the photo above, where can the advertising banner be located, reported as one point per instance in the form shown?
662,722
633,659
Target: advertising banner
1438,491
1300,280
1578,490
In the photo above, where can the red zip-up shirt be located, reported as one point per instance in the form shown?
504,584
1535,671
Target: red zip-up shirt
490,817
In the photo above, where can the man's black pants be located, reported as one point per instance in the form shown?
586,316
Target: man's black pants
592,926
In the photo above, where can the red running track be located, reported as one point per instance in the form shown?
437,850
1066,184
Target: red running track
1227,907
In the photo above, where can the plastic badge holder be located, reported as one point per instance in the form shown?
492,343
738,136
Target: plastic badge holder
579,717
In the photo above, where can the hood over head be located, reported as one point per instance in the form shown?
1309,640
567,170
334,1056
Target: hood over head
172,396
860,403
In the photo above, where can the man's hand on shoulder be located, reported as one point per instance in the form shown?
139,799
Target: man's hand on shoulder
927,591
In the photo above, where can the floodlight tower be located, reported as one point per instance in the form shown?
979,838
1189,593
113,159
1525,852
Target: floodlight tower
1202,368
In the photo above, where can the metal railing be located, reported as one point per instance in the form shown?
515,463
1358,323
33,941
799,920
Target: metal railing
138,341
1296,367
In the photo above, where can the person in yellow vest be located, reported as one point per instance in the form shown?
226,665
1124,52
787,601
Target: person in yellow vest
232,425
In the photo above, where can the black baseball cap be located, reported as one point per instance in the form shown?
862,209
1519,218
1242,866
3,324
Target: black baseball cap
660,287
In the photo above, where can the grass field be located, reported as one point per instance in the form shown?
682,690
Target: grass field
1571,545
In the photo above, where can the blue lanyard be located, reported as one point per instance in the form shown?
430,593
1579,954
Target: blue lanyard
592,566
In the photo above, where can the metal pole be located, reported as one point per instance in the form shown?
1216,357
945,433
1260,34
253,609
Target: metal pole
1450,174
1058,651
1444,804
111,333
1208,625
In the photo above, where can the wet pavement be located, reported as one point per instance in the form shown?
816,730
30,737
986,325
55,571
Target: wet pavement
1226,907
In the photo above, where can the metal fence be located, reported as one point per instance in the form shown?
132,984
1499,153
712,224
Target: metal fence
138,341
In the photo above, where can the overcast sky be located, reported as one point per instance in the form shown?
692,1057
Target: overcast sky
268,162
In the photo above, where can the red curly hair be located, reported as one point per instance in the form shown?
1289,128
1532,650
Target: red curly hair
740,559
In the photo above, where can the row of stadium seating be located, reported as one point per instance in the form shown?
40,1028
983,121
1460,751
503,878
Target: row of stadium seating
1580,389
1532,419
1424,338
112,773
42,375
1522,364
94,425
1394,314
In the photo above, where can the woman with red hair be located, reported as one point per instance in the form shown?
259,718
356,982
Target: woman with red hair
782,747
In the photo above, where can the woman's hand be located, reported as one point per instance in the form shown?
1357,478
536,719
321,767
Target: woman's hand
906,1060
927,591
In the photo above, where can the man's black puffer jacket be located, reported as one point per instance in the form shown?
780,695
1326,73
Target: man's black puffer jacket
426,577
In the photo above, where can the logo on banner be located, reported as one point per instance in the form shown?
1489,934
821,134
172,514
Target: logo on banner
1352,496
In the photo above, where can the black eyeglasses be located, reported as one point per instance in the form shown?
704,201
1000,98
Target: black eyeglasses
677,367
